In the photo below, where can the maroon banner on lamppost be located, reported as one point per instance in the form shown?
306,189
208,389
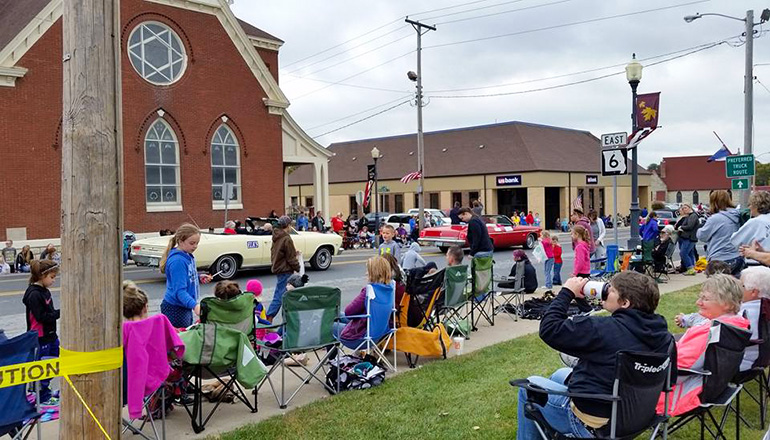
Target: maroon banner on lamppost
647,110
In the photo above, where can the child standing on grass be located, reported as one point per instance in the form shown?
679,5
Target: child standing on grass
557,261
42,316
582,253
549,259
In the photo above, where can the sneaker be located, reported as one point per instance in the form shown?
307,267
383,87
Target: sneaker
52,401
690,272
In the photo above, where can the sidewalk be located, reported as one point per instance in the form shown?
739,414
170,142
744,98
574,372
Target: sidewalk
229,417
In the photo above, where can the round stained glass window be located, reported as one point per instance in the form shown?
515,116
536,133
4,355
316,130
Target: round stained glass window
157,53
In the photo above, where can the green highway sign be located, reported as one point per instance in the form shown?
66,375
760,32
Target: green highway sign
739,166
740,184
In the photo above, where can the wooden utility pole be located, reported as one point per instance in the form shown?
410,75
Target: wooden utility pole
91,209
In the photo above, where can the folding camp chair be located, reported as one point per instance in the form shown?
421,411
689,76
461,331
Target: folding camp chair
721,364
309,314
482,297
511,298
217,352
635,394
670,266
380,323
17,415
420,332
136,334
609,268
758,371
236,313
455,301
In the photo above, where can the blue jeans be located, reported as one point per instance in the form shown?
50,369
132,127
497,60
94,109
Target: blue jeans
483,254
549,273
686,248
280,289
557,411
557,273
47,351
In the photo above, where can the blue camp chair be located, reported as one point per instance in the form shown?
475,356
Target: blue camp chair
380,322
17,415
610,263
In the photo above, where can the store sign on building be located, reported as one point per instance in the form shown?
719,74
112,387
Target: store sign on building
511,180
592,179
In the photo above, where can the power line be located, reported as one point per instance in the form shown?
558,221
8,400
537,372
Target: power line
472,10
559,26
353,76
363,119
501,12
597,69
355,86
761,84
358,113
559,86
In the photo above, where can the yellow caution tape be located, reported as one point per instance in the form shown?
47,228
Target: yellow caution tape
68,364
93,416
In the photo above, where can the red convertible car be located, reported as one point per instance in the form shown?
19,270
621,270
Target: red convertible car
503,232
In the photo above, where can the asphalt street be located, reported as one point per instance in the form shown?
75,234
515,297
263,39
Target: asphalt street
348,272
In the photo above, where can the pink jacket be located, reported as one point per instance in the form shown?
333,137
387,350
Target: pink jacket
691,353
147,345
582,259
548,247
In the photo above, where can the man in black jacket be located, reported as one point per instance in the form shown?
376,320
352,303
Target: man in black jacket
595,341
478,236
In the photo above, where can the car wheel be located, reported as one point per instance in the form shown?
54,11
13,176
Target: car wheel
443,249
322,259
531,240
227,265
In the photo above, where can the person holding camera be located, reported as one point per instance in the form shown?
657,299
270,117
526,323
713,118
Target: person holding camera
633,325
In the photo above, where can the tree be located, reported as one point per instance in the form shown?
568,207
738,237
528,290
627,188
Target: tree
653,167
763,174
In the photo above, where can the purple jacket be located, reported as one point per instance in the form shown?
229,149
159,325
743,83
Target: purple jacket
356,328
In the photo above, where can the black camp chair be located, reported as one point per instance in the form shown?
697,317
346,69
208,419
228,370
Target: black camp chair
510,295
758,371
425,299
17,415
635,394
721,364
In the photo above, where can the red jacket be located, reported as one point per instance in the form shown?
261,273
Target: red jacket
557,254
530,219
337,224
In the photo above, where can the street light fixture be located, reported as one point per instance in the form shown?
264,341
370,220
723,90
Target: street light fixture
634,76
748,84
375,156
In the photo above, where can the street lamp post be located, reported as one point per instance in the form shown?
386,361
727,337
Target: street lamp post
748,85
375,156
634,75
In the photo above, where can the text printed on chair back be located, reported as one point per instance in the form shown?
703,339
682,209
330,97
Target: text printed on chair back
308,315
639,379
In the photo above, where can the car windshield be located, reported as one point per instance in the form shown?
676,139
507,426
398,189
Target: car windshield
665,214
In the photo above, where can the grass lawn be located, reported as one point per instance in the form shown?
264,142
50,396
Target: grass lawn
460,398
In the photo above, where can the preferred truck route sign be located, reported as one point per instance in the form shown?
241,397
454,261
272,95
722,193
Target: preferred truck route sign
614,140
614,162
739,166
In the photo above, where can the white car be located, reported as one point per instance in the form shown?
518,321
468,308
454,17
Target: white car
226,254
436,214
400,219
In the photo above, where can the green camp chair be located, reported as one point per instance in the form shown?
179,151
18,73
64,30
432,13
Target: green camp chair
456,301
482,296
308,317
236,313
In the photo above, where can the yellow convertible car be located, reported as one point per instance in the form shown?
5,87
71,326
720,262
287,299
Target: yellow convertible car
226,254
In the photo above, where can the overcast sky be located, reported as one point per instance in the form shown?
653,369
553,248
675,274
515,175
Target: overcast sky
700,93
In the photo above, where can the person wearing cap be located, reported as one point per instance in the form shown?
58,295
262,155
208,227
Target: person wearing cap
285,261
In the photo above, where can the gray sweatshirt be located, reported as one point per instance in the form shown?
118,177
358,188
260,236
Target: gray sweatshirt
412,258
757,228
390,247
717,234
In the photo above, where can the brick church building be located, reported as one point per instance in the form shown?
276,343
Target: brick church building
201,109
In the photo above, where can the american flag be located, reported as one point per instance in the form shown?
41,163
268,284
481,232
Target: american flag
577,204
367,193
411,176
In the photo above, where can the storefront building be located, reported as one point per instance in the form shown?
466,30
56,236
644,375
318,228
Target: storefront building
513,166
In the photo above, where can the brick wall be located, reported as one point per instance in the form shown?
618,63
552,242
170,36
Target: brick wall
217,83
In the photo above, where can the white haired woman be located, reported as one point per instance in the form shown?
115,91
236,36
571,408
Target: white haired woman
720,299
756,285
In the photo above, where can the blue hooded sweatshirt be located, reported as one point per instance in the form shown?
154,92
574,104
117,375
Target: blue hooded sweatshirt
717,233
181,280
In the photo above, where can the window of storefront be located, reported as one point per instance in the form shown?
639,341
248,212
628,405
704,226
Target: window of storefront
473,195
399,202
434,204
352,205
385,203
457,197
